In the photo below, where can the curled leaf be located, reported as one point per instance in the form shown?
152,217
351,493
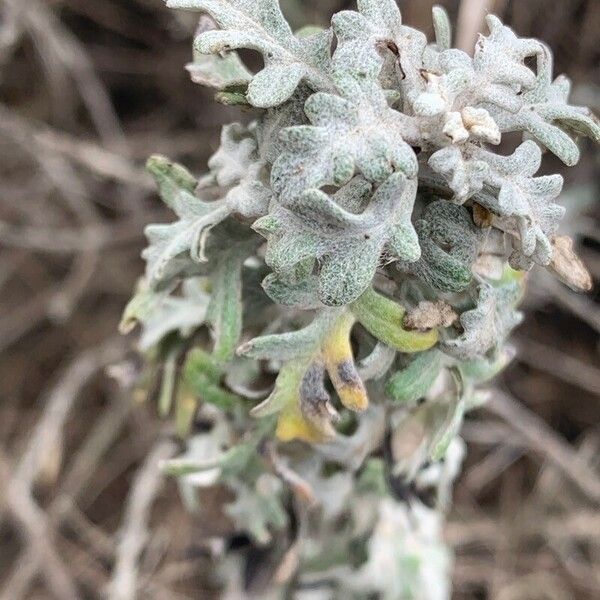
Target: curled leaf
384,319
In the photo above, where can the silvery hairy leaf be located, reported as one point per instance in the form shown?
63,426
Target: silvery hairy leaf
235,167
347,134
159,313
547,116
488,324
450,242
224,71
347,244
260,25
527,201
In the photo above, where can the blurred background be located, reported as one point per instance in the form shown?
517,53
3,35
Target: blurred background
89,89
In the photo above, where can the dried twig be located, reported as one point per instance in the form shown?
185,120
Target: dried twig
547,443
38,534
559,364
134,531
57,405
81,471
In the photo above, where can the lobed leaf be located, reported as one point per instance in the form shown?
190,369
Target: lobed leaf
260,25
488,325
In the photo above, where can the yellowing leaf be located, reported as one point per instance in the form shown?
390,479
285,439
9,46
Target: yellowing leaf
339,361
292,425
385,320
286,399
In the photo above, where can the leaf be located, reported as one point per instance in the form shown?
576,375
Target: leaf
412,383
492,79
464,173
449,430
223,71
286,401
449,243
383,14
299,397
347,134
488,324
168,383
199,465
347,245
482,370
339,362
188,235
201,379
237,154
259,25
442,28
258,507
288,346
502,54
384,319
548,117
225,309
161,314
303,294
377,32
186,407
527,201
236,168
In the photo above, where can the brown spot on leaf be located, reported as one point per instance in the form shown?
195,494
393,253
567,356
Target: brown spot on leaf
348,374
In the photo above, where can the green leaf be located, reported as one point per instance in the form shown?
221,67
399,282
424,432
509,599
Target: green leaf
259,25
201,379
488,324
225,308
548,117
161,314
347,245
384,319
450,243
413,382
288,346
303,294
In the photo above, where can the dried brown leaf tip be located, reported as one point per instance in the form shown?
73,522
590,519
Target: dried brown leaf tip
568,267
482,217
430,315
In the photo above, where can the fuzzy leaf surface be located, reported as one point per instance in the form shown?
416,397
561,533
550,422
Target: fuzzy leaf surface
259,25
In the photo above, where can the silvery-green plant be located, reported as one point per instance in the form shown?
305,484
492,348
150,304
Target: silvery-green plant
344,278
